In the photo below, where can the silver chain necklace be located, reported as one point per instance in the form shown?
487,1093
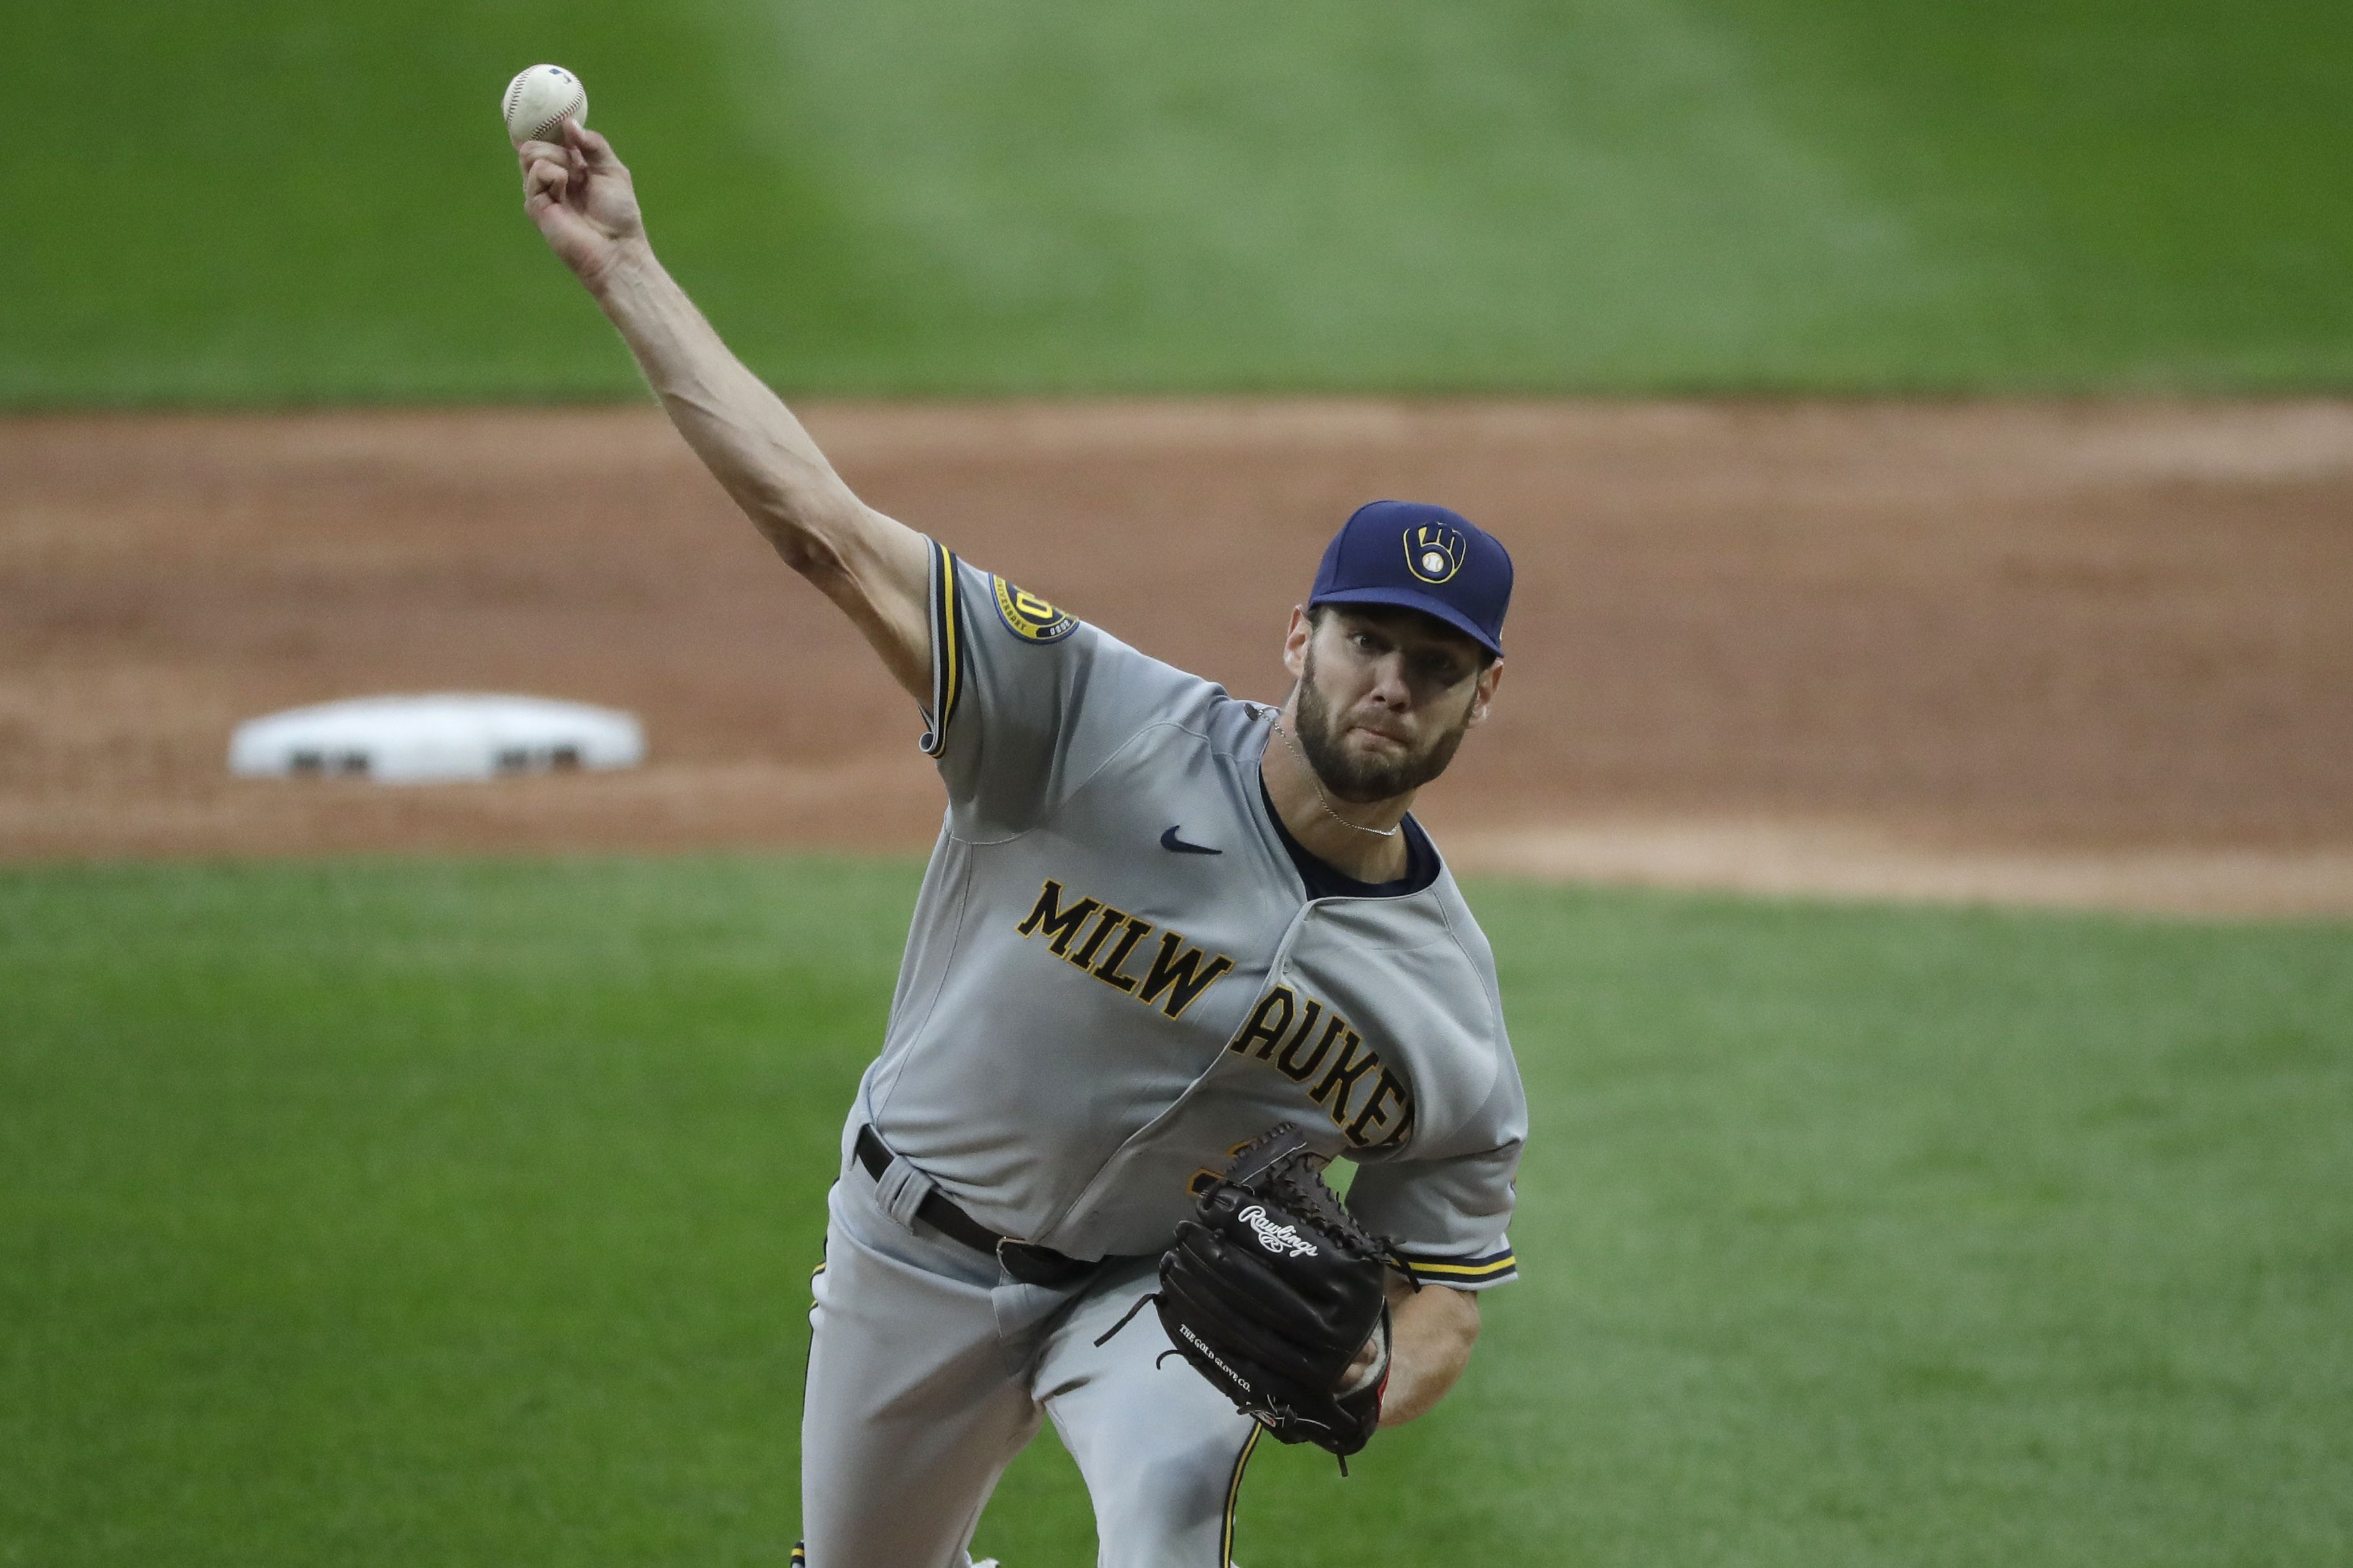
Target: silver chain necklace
1312,778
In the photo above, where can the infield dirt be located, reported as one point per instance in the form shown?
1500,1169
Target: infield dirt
2094,655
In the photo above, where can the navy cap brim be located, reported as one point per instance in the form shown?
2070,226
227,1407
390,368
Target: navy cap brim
1409,599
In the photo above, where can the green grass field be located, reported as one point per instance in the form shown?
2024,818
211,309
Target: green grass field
278,203
401,1212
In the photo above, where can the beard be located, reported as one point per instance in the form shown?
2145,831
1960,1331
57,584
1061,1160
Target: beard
1362,781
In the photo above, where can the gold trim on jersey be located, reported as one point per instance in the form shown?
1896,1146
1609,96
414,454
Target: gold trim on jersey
948,647
1485,1270
1234,1492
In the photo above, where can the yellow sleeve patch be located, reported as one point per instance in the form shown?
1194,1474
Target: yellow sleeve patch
1029,617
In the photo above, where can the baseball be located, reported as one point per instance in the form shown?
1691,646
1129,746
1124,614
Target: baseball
538,100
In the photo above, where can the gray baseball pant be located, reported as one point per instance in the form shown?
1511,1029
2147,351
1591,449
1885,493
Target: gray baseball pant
928,1369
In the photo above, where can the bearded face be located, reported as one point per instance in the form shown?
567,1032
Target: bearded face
1415,748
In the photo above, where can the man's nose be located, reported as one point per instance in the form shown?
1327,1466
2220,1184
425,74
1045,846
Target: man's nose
1388,682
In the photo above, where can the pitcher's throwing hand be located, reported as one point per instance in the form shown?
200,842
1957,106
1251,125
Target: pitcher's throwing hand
579,194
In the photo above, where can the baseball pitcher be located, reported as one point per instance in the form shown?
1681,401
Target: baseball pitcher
1174,952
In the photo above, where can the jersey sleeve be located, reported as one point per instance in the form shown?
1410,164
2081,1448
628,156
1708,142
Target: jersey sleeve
1449,1210
1027,700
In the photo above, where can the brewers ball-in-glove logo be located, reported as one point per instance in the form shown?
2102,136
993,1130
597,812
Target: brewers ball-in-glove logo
1434,550
1029,617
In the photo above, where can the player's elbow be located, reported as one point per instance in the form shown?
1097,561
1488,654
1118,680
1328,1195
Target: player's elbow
807,553
811,539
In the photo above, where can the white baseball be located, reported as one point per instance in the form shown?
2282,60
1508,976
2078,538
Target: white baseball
538,100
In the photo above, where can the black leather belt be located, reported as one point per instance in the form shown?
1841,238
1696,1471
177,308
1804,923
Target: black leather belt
1031,1264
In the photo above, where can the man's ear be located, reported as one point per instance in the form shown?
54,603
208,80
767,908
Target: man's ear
1295,641
1483,693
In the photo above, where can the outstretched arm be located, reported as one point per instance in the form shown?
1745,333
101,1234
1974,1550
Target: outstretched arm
874,568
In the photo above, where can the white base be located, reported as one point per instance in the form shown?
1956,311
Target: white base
439,738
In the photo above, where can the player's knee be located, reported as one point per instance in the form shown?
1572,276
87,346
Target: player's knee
1171,1510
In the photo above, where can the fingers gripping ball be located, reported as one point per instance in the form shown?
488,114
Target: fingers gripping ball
1272,1291
538,100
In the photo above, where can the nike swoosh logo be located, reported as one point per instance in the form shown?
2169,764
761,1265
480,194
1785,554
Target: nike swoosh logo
1169,840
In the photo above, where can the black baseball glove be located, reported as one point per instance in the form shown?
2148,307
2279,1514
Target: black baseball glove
1272,1289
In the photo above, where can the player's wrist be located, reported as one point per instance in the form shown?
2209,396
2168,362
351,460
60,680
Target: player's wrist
623,269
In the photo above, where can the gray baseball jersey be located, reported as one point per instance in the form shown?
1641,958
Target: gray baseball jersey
1115,974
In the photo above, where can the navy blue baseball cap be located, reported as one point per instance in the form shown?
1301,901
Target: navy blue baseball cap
1419,557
